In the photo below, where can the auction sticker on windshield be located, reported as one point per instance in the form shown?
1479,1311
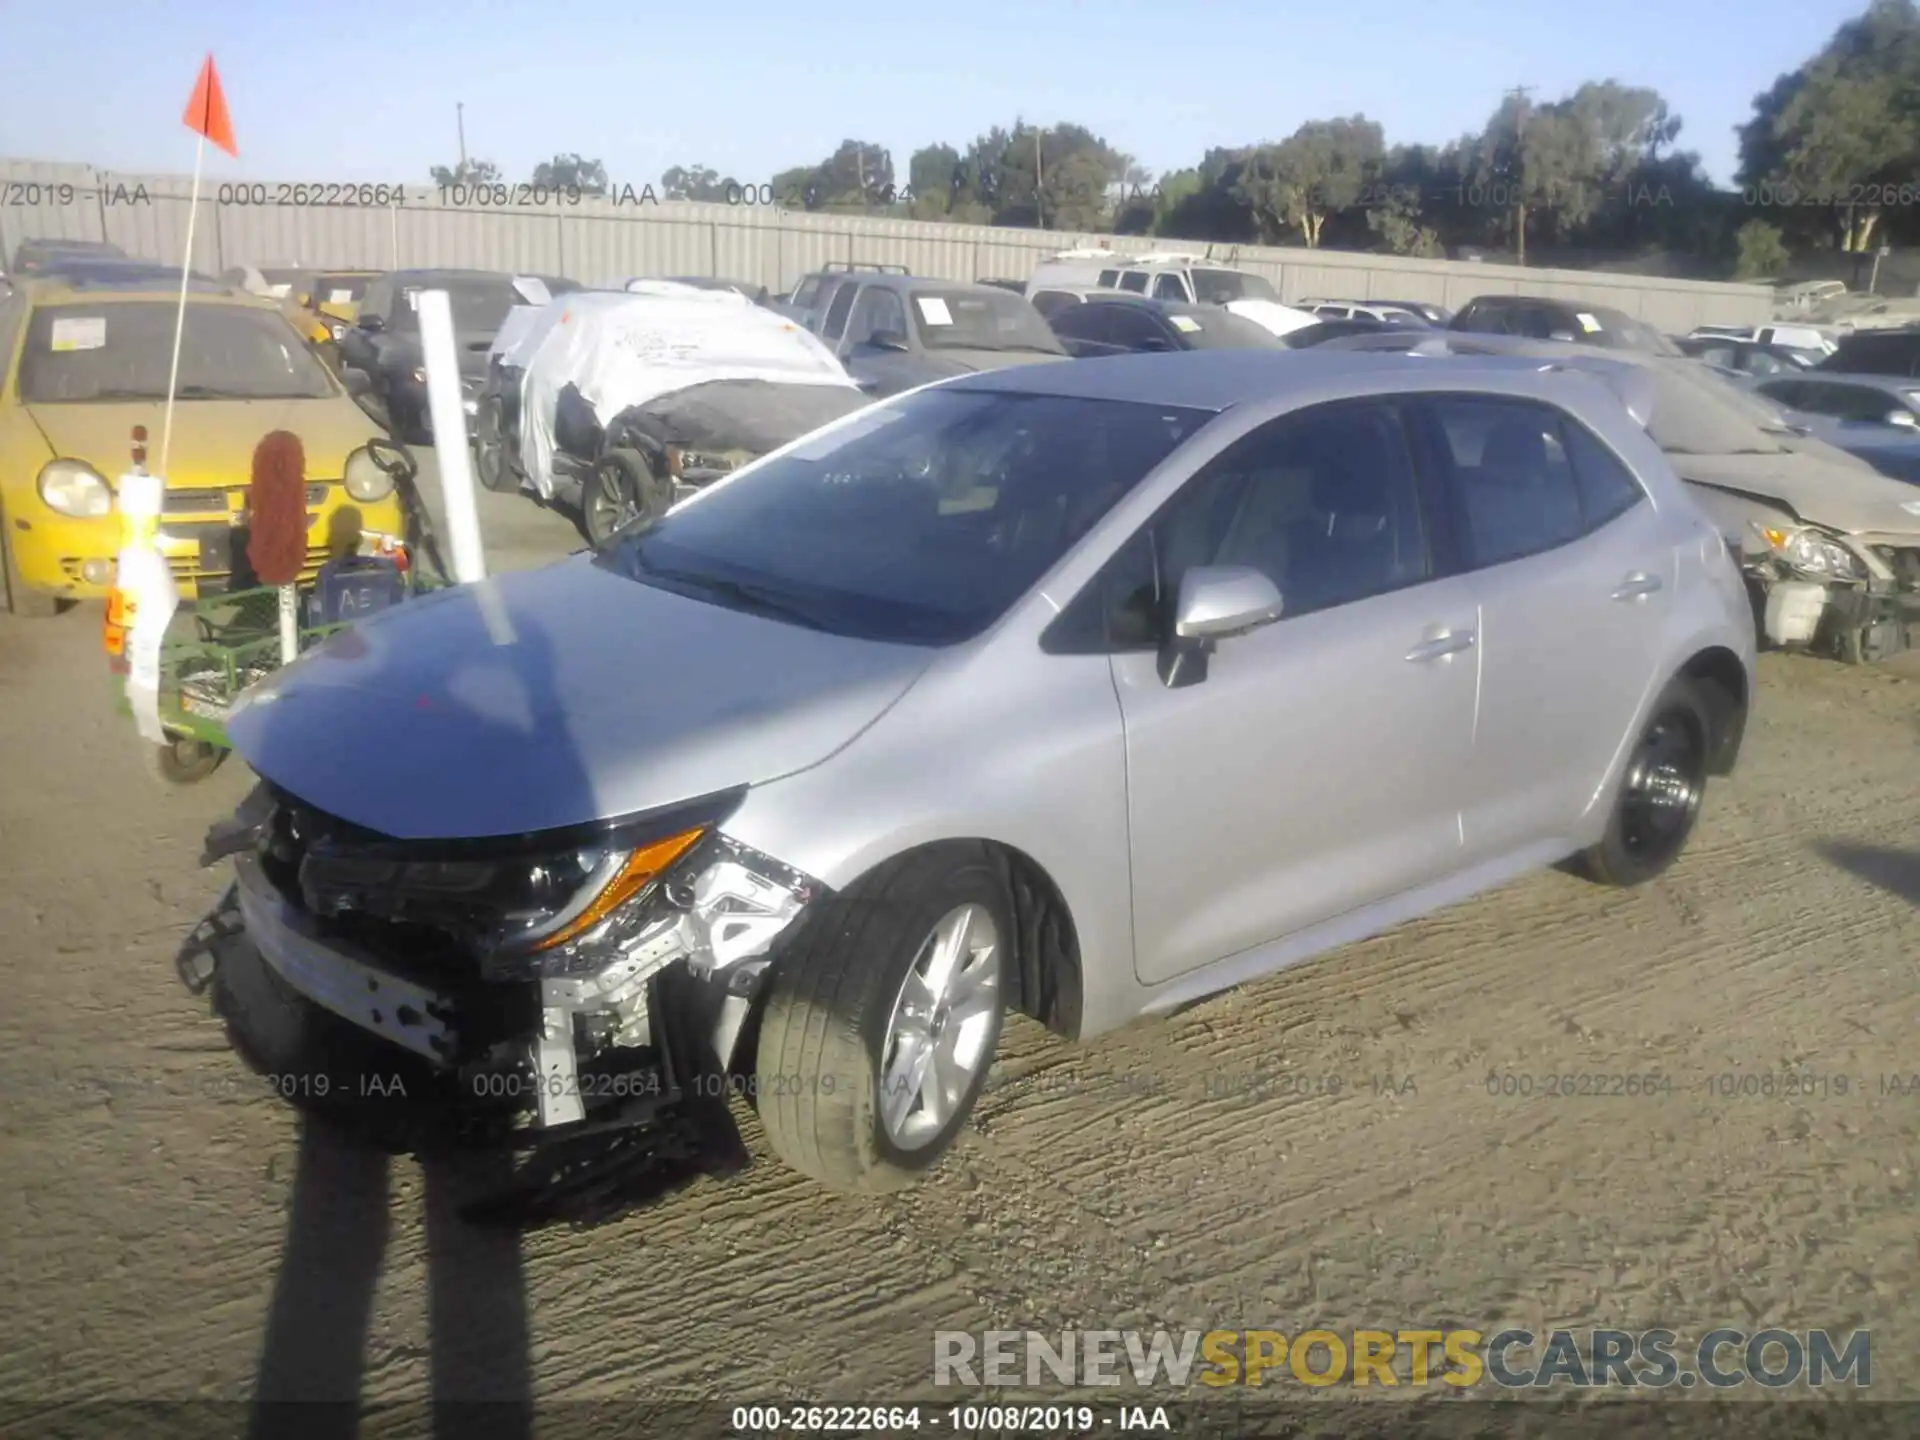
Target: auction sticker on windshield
934,310
83,333
339,297
1587,322
1186,324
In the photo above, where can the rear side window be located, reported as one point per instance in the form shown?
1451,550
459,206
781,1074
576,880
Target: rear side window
1080,322
1169,287
1513,491
1109,279
1134,280
1607,488
809,288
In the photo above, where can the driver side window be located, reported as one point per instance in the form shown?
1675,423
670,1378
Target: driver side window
1325,503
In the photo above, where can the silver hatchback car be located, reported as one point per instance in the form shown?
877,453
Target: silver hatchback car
1082,691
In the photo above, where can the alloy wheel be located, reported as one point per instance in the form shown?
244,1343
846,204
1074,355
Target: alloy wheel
941,1032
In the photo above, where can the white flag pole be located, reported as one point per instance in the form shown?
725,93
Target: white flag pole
180,317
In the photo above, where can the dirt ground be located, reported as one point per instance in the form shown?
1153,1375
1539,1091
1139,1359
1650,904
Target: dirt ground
1186,1174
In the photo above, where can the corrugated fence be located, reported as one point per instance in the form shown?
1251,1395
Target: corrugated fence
513,227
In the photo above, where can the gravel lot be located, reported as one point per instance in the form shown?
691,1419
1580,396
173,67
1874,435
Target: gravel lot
1192,1173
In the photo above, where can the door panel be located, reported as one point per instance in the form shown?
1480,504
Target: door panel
1574,577
1318,765
1316,768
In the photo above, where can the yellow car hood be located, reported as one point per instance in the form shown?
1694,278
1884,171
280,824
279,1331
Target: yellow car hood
213,440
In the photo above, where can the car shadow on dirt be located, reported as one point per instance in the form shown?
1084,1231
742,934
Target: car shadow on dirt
1895,871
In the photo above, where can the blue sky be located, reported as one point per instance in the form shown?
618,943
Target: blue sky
354,90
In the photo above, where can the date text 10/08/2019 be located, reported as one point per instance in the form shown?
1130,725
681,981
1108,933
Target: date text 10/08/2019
961,1419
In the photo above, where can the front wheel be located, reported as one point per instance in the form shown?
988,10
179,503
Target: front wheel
1660,792
183,761
881,1022
620,491
490,448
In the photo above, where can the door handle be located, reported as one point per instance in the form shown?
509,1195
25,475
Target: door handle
1452,643
1637,584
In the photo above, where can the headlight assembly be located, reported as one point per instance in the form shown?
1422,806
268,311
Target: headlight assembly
365,480
714,905
75,489
1813,553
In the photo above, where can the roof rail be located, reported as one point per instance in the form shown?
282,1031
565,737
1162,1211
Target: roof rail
1168,257
847,267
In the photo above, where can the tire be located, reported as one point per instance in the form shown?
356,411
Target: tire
620,489
827,1026
490,449
185,761
1660,792
21,601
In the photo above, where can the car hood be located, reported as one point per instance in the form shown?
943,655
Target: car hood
554,697
213,440
1272,316
1822,486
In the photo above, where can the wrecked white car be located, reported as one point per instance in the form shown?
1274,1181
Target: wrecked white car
618,404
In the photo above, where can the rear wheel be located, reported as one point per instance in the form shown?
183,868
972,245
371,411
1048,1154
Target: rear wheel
621,490
184,760
881,1022
27,603
1660,792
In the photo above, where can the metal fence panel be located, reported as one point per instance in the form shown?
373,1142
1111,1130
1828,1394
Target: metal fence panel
595,241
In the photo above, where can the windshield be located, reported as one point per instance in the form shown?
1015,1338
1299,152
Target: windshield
919,521
124,351
980,320
1217,330
479,306
1697,412
1222,287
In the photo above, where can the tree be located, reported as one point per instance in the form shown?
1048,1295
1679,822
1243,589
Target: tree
932,174
1533,163
1832,135
467,172
571,172
698,182
1323,168
857,176
1760,253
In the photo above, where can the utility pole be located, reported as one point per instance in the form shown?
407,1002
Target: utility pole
460,120
1039,182
1520,93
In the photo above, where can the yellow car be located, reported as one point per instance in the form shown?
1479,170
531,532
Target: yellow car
82,364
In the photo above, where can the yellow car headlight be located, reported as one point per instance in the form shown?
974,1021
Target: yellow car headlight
74,488
365,480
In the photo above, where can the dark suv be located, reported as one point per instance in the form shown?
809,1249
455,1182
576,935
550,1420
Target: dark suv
1536,317
894,332
381,355
1877,352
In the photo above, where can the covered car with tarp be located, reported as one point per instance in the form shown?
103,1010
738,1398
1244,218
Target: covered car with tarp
620,403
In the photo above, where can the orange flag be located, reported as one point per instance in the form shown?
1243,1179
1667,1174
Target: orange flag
207,110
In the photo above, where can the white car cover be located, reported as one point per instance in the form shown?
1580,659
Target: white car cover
1270,316
627,348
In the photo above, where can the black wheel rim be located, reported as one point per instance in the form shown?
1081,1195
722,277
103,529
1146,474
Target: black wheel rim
610,502
1665,780
487,456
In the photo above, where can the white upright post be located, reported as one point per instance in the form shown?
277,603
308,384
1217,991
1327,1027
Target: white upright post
450,435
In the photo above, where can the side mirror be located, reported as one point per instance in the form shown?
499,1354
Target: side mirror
1216,602
1566,335
359,384
1904,418
887,340
1155,344
372,324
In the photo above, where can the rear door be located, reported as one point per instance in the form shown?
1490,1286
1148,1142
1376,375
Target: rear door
1574,578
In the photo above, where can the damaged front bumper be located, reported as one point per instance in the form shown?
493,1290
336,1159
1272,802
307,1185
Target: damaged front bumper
551,1007
1854,596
